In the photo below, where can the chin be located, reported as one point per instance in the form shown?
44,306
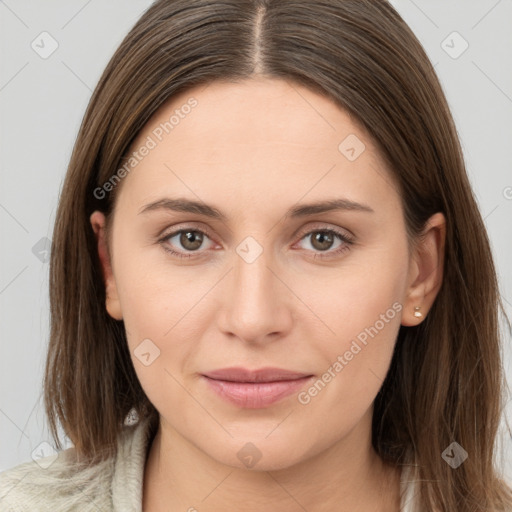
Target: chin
258,454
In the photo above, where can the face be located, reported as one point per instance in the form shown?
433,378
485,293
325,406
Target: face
265,282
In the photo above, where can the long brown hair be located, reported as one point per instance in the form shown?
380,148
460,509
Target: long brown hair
446,381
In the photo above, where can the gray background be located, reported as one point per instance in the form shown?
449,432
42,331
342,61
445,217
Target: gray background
42,101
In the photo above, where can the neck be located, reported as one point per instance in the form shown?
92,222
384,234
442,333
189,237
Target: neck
347,477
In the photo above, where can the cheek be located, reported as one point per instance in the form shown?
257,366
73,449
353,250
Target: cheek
363,292
360,309
164,314
153,291
155,306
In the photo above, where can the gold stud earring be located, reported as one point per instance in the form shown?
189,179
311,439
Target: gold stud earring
417,313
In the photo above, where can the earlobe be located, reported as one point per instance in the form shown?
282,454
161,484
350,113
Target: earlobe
112,303
426,271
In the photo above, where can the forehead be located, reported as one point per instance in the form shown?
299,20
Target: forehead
255,140
263,107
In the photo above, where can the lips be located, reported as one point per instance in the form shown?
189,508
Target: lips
255,389
268,374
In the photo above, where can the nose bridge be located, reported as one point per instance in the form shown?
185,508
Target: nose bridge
255,305
252,277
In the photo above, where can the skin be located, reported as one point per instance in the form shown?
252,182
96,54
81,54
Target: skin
253,150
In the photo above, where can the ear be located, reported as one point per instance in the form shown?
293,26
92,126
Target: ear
425,271
112,303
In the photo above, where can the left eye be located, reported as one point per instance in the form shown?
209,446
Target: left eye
322,240
190,240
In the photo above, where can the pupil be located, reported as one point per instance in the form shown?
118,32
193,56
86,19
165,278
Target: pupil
191,237
322,237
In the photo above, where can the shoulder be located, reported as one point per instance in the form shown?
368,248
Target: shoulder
60,483
55,483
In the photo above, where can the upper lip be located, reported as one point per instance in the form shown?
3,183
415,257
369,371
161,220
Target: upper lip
268,374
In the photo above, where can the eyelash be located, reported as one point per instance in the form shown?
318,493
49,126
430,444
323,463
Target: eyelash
346,239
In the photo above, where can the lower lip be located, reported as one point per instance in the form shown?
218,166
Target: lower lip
252,395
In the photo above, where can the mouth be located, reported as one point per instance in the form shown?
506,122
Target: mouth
255,389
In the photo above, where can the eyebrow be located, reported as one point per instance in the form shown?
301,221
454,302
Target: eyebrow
299,211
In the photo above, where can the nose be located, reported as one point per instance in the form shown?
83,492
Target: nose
258,303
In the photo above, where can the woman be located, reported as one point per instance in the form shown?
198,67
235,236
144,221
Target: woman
271,287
